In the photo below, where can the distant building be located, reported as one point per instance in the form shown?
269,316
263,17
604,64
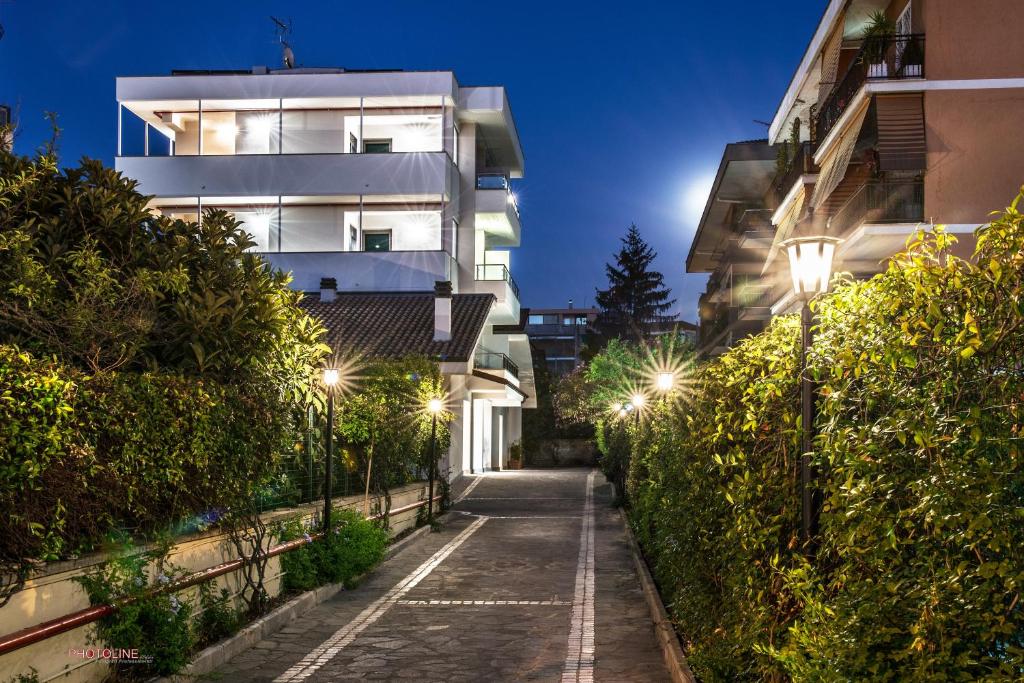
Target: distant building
679,327
871,140
559,334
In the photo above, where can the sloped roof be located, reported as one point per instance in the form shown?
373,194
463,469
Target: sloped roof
385,325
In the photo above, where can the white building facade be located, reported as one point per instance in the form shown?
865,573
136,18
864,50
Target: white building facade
384,182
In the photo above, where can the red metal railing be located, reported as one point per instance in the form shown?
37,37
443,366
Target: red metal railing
48,629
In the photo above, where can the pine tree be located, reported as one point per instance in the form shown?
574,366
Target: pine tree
636,296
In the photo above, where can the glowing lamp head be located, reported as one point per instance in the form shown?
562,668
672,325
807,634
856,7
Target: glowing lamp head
617,407
331,376
666,380
638,400
435,405
810,264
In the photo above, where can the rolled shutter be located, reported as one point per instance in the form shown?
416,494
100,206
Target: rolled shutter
833,167
901,141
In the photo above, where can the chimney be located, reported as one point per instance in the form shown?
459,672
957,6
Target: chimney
442,310
328,289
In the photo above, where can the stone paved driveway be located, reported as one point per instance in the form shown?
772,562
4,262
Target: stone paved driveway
531,580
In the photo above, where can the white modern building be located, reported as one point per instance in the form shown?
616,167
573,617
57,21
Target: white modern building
374,189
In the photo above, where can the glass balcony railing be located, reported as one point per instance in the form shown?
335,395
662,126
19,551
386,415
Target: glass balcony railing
496,272
490,360
492,181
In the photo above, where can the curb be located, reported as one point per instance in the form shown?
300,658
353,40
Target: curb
672,651
219,654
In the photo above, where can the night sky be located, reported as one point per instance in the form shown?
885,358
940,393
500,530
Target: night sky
623,108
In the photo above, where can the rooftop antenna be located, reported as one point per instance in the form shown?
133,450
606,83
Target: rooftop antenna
283,29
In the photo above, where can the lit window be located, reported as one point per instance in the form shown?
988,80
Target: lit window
536,320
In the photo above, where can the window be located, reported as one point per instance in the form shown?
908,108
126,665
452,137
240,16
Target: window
377,241
582,320
353,242
377,146
567,321
536,320
353,144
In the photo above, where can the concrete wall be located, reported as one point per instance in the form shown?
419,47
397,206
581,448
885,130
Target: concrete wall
562,453
975,39
975,153
52,593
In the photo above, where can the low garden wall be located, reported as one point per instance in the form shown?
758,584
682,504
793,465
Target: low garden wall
563,453
52,592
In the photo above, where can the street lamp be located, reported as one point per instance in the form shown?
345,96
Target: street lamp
665,382
434,406
330,379
810,264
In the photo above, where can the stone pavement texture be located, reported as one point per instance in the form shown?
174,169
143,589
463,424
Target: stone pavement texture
530,580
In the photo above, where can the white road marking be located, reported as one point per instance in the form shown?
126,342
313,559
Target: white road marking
472,485
327,650
579,661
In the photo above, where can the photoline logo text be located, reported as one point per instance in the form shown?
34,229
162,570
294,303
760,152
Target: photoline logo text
113,655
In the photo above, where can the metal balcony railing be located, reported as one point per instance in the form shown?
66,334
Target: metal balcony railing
880,202
491,360
894,58
496,272
802,163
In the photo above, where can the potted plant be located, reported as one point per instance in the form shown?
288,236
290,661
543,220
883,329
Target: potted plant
515,456
877,36
912,59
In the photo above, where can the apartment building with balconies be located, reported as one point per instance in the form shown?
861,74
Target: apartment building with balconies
375,190
885,126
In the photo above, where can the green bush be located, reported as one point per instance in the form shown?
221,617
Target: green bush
354,546
920,559
158,625
218,618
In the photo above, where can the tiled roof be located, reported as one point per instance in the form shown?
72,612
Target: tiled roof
384,325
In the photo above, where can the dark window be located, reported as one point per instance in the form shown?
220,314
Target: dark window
377,146
377,241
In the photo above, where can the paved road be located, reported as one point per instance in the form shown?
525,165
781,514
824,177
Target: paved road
531,580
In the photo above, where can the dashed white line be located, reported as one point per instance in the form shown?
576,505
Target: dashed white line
579,660
327,650
443,603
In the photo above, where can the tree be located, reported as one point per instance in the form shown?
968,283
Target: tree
636,295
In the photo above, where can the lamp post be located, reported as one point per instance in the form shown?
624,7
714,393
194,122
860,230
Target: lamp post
810,264
330,378
434,406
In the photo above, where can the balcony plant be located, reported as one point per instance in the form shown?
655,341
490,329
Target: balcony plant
877,36
515,456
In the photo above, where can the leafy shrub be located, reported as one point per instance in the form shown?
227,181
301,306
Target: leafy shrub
920,557
354,546
158,625
218,618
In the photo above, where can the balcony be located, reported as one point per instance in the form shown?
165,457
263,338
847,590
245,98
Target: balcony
900,57
800,165
364,271
497,212
494,278
880,202
398,173
489,360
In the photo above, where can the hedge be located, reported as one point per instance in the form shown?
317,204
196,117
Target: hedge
920,558
81,456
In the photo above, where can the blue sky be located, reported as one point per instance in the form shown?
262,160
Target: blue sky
623,108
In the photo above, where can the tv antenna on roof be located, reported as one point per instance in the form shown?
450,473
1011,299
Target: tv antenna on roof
283,29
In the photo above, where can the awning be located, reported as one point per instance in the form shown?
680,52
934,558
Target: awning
833,166
784,228
830,59
901,142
